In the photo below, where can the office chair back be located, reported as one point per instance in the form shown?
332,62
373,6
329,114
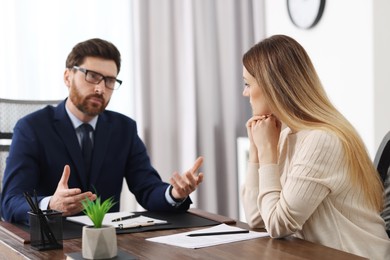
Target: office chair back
10,112
382,164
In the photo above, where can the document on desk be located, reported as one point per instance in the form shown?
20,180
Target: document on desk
121,220
217,235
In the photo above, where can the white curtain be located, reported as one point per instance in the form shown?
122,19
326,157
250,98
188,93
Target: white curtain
188,88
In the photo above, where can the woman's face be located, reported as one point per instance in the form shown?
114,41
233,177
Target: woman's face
255,94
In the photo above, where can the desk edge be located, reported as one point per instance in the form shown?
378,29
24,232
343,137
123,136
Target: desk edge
15,232
212,216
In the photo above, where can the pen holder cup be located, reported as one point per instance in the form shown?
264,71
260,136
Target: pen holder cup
46,230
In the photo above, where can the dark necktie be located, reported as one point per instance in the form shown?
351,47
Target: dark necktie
86,146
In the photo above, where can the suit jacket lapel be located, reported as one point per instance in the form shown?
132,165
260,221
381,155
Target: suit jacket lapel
66,131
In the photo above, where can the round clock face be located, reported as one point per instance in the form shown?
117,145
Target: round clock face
305,13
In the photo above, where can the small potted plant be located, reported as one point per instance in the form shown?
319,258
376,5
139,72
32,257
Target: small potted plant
98,241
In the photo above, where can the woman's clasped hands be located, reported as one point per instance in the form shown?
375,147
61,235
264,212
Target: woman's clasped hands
263,132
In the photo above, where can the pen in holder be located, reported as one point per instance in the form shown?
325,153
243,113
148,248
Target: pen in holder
45,226
46,229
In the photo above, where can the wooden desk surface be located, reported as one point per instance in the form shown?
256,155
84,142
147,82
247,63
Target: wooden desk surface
135,243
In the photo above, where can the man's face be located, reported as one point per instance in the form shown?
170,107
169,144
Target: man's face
89,98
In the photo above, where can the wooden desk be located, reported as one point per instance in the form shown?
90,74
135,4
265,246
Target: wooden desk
135,243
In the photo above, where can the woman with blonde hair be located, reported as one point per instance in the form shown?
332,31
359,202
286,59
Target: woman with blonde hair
314,178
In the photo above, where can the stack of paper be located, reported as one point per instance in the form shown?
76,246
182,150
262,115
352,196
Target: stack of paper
183,240
135,221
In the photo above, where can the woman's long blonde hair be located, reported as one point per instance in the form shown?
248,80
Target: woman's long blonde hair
295,94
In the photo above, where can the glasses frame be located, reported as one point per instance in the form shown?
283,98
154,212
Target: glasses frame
86,71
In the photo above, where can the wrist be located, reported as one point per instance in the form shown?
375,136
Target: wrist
173,198
253,155
268,159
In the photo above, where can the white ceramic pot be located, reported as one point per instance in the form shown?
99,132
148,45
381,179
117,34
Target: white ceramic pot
99,243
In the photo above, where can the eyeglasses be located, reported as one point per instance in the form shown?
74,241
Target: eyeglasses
95,78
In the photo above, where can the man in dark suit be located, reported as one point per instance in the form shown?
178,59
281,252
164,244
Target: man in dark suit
51,153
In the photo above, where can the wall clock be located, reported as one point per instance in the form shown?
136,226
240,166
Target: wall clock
305,14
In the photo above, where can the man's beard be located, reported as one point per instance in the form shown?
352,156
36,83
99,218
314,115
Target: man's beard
90,109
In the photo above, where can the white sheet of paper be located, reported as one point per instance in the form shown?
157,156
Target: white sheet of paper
133,222
182,240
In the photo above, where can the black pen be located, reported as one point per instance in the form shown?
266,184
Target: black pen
30,202
126,217
218,233
37,207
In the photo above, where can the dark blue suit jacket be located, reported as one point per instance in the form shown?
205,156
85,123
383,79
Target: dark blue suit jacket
45,141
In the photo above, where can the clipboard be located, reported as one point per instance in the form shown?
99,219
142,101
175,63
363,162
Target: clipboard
121,220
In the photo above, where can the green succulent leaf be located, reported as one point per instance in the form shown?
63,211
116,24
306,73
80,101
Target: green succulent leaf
96,210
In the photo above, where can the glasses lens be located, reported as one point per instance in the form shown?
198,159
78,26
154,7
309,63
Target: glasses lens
93,77
111,83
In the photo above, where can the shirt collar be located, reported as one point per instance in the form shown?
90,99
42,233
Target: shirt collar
77,122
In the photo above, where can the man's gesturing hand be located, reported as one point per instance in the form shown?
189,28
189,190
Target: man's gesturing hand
66,200
184,184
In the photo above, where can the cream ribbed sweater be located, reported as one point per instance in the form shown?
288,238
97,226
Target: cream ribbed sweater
310,195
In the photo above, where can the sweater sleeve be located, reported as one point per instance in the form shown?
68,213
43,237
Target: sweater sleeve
313,164
249,193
